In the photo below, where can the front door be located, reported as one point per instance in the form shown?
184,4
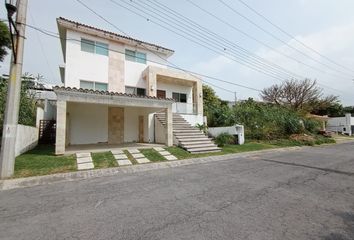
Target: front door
141,129
161,93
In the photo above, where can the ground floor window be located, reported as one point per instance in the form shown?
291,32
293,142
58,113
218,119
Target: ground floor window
93,85
135,91
179,97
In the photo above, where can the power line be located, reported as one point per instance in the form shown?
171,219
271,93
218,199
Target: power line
55,35
292,37
277,38
252,66
255,39
204,43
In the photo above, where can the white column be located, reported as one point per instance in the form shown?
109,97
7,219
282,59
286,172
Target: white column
169,126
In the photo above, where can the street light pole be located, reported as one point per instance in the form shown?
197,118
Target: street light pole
7,154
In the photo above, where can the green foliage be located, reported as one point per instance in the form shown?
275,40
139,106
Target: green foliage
202,127
27,114
223,139
312,126
5,40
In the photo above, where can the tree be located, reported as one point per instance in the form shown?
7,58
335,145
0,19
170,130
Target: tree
303,95
5,40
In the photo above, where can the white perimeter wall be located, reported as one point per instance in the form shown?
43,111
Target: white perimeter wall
88,123
26,139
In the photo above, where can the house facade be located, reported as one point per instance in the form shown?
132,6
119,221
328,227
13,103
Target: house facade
113,86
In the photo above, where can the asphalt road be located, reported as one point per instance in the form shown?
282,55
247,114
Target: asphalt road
304,194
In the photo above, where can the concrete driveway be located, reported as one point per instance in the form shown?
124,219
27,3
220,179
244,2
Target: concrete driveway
303,194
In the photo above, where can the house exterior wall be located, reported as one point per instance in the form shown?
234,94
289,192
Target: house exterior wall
82,65
88,123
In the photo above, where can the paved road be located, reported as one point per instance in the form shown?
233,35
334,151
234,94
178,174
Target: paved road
304,194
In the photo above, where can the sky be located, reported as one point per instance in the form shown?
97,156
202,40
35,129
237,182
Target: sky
326,26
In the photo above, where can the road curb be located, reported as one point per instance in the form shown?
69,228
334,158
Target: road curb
8,184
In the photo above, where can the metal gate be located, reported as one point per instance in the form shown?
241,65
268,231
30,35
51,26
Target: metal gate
47,130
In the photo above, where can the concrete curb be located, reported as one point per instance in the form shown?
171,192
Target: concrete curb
81,175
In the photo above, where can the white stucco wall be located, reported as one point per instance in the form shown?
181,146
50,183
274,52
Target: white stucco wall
341,124
82,65
26,139
88,123
193,119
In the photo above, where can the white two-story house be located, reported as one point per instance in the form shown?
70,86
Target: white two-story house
119,90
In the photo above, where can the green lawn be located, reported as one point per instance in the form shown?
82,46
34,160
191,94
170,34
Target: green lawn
42,161
104,160
152,155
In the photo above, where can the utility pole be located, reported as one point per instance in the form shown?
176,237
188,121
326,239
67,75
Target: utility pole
235,98
7,154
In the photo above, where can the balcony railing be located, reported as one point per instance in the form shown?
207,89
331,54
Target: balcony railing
184,108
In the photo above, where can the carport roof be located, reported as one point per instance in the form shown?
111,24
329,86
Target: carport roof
111,98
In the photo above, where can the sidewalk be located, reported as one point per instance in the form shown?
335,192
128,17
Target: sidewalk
82,175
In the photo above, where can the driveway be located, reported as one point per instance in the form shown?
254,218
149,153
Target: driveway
303,194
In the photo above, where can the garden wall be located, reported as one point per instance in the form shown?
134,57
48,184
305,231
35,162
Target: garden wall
26,139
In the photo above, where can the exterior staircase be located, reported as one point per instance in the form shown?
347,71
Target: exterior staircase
188,137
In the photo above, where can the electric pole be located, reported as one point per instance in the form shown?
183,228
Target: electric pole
235,97
7,154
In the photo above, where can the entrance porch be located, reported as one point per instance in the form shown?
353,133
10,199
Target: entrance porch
87,118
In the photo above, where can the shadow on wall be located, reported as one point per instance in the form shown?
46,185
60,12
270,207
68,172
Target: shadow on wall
348,229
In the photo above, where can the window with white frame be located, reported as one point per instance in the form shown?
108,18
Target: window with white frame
179,97
135,91
94,47
135,56
93,85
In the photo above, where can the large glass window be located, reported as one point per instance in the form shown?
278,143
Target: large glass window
93,85
179,97
87,46
94,47
135,56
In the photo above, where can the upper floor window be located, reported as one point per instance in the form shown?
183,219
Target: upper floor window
179,97
93,85
94,47
135,91
135,56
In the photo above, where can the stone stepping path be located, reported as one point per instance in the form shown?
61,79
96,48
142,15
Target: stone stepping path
165,153
138,156
121,158
84,161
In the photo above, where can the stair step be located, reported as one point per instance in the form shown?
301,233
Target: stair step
186,140
204,149
191,130
190,147
194,143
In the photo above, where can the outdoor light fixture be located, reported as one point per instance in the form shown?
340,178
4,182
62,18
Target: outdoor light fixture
11,9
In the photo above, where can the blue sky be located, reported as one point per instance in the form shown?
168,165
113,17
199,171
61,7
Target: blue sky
325,25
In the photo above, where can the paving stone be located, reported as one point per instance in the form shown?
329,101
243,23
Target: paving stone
159,149
142,160
124,162
120,156
170,157
165,153
137,155
81,155
85,166
84,160
117,151
133,151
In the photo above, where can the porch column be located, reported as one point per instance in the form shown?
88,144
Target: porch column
60,128
169,126
198,96
151,84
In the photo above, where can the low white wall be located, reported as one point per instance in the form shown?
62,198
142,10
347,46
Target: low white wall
233,130
341,124
26,139
193,119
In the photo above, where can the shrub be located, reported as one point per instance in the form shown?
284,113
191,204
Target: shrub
224,138
312,126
